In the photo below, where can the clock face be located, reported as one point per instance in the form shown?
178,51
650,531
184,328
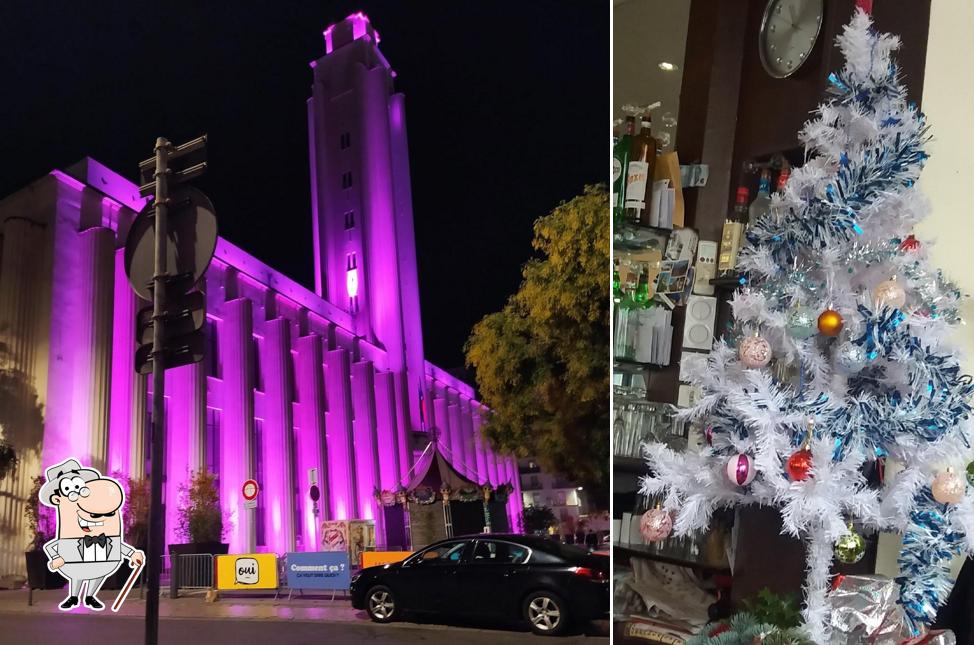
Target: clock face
789,30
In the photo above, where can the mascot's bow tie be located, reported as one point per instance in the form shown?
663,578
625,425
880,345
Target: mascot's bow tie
96,555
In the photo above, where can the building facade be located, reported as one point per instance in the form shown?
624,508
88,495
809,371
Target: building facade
565,498
333,379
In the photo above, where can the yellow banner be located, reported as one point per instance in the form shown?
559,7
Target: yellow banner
246,571
375,558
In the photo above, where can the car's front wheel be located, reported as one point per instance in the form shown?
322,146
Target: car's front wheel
380,604
546,613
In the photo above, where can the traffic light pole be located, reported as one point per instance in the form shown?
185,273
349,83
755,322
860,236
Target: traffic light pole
157,459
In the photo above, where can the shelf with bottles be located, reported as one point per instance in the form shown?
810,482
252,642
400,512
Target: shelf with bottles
646,181
770,174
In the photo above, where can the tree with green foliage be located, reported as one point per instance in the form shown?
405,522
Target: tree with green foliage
542,361
538,519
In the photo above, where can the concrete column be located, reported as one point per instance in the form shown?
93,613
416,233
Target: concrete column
442,418
94,329
185,434
338,422
456,441
492,470
480,447
514,503
237,442
279,435
139,435
122,429
312,448
388,431
518,497
366,448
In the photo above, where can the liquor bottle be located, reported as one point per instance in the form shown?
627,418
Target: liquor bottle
740,213
642,165
642,298
617,294
762,203
730,239
782,179
620,169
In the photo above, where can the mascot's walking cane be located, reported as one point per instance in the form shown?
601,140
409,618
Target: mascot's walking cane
123,594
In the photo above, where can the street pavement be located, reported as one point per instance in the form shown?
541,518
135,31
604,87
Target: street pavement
246,619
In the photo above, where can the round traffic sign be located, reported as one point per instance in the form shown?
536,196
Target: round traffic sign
315,493
190,242
250,489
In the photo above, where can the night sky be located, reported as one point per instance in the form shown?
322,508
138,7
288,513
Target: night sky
507,106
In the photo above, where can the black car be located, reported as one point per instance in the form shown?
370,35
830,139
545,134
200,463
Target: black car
549,585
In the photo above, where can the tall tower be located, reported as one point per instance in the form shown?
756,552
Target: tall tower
365,250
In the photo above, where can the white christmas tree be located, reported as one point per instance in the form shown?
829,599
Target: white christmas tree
839,356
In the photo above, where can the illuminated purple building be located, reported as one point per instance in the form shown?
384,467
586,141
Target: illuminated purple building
293,380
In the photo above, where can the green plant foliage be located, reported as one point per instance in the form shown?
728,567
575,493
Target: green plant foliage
137,512
770,608
542,361
745,629
538,519
200,515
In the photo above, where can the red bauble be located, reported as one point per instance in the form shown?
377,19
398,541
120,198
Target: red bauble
910,244
800,465
719,629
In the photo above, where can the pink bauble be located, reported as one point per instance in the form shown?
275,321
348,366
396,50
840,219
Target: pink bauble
755,352
740,469
948,487
890,293
656,525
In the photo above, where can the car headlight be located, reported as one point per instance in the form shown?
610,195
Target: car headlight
355,577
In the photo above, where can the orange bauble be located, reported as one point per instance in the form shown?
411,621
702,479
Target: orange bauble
800,465
830,322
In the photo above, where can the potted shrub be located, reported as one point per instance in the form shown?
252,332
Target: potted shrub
135,529
200,518
42,524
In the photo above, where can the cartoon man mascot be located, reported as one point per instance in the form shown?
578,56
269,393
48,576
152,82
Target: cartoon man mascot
88,547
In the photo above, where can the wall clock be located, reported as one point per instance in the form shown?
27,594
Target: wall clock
789,30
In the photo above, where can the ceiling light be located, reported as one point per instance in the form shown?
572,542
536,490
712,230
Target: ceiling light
667,67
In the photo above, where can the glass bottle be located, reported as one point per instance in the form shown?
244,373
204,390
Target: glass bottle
642,165
762,201
620,169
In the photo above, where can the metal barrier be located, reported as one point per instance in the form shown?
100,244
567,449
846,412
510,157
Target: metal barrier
188,571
